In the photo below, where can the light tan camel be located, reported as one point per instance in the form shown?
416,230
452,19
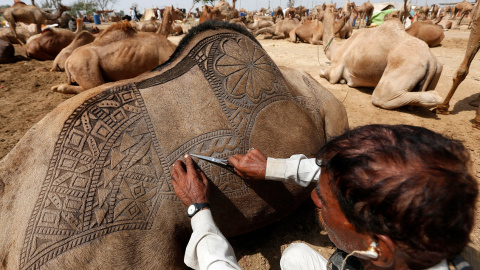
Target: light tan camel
20,12
463,8
427,31
280,30
444,22
22,35
364,13
472,48
210,13
146,26
83,38
258,24
401,67
230,12
118,53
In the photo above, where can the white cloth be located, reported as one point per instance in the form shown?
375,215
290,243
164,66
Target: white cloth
208,248
297,169
299,256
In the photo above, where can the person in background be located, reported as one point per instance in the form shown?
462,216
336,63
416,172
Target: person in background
391,197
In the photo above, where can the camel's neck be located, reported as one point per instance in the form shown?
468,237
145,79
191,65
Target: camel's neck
79,26
54,16
438,19
328,32
167,22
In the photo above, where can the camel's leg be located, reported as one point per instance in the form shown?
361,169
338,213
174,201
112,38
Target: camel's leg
475,102
476,121
333,73
68,89
279,36
39,28
472,49
13,26
393,89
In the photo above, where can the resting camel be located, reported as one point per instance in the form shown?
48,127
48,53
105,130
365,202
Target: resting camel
146,26
20,12
280,30
278,14
429,32
89,187
7,52
435,10
80,39
118,53
48,44
401,67
258,24
462,72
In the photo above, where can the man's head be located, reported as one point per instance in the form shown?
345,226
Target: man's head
407,183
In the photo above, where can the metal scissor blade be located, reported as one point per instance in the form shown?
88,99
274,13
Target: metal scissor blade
211,159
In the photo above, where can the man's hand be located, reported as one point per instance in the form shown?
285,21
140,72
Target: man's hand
190,184
252,165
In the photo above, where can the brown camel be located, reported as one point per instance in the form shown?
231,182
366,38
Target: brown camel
48,44
278,14
463,8
7,52
426,10
210,13
89,186
400,67
435,13
427,31
22,35
118,53
462,72
280,30
20,12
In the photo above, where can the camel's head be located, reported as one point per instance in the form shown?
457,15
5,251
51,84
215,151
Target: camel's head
177,14
63,8
392,15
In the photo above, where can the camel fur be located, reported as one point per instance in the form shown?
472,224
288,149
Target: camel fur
81,39
472,48
22,35
401,67
279,30
48,44
118,53
429,32
7,52
20,12
89,186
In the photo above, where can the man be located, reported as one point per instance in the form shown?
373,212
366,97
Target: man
396,197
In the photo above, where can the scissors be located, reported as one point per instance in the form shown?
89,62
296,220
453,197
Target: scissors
217,161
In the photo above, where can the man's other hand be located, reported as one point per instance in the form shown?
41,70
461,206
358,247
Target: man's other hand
252,165
190,184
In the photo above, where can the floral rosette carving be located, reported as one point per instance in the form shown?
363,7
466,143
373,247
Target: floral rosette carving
247,69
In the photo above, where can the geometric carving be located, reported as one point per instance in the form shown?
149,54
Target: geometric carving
109,172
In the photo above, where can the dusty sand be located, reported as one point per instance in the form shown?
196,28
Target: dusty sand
25,97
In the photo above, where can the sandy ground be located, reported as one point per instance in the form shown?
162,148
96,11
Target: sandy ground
25,97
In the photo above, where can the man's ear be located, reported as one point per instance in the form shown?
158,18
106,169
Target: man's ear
386,251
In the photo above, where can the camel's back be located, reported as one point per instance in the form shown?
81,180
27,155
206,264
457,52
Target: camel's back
90,187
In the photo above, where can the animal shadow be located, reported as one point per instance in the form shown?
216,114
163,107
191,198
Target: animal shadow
464,105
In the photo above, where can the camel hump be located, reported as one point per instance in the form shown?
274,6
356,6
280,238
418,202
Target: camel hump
16,4
47,31
124,27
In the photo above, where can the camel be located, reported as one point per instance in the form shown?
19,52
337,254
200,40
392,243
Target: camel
20,12
258,24
444,22
462,72
463,8
230,12
280,30
81,39
364,13
89,186
278,14
425,10
22,35
427,31
7,52
401,67
146,26
435,13
48,44
118,53
210,13
62,21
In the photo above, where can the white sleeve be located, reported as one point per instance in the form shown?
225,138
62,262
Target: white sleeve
208,248
296,169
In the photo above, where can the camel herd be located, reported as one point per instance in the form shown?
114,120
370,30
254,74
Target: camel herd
137,47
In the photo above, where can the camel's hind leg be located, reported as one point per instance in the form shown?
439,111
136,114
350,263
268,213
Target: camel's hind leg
68,89
393,89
